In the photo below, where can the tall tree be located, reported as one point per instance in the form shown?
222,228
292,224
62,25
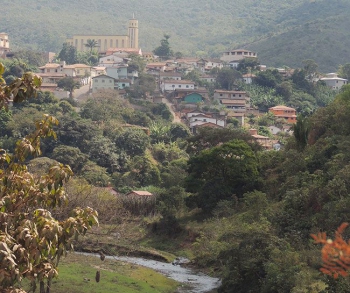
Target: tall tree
91,44
68,54
164,50
222,172
69,84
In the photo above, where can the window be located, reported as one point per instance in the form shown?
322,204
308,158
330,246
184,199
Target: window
240,95
179,85
110,81
187,86
103,80
96,80
220,95
48,70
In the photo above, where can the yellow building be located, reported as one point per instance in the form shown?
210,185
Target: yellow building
130,40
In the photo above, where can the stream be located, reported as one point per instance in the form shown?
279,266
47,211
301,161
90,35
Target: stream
198,282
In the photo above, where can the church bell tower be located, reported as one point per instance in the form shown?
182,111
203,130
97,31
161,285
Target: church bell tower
133,33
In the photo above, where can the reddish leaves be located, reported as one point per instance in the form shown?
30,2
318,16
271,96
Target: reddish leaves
335,253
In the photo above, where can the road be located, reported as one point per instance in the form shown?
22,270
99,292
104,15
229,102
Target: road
170,106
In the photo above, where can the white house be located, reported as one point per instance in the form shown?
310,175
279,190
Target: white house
194,120
172,85
332,80
110,60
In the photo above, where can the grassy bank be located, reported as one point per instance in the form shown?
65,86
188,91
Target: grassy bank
77,274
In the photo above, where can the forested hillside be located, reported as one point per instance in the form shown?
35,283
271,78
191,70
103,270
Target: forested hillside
282,32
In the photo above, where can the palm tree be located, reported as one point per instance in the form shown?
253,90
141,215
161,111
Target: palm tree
91,43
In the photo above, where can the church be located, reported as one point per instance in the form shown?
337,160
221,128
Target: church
128,41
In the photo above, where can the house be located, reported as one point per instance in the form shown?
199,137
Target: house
205,65
98,70
172,85
238,101
190,100
193,98
224,94
170,75
139,193
117,72
248,78
333,81
233,104
289,114
103,82
195,128
237,115
237,55
110,60
155,67
104,42
52,68
123,52
264,141
123,83
197,118
82,70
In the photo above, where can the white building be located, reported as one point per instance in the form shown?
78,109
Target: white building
332,80
172,85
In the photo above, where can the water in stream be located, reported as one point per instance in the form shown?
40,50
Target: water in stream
198,282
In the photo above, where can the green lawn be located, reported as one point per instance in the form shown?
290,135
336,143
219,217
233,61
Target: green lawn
77,274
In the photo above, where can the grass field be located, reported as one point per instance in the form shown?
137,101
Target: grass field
77,274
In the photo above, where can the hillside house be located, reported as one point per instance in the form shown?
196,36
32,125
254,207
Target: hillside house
237,55
264,141
169,75
287,113
155,67
248,78
205,65
238,101
98,70
190,100
139,193
333,81
110,60
103,82
197,118
172,85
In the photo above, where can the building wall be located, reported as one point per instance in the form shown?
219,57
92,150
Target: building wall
130,40
193,98
102,82
173,86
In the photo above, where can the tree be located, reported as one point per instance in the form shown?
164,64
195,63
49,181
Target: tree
226,78
310,67
164,51
344,71
269,78
91,44
68,84
248,65
31,239
68,54
221,172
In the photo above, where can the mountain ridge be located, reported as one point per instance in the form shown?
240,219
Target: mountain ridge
196,28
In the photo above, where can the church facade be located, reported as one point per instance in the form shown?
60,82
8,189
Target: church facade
104,42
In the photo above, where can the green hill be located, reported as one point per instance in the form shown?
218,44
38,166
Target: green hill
282,32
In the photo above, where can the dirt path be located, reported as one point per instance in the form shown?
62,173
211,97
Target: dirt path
170,106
